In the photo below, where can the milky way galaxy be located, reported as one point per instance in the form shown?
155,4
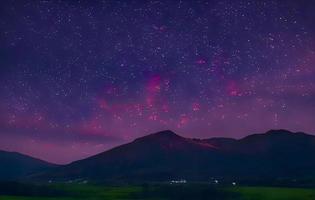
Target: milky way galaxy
79,77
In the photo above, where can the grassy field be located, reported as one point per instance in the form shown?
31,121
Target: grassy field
77,191
273,193
167,192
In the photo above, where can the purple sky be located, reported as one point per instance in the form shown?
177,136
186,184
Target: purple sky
79,78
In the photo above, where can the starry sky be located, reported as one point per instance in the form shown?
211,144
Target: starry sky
80,77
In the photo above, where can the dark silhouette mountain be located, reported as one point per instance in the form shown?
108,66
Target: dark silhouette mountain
164,155
15,165
154,157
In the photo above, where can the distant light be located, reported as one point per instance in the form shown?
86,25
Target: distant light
233,183
181,181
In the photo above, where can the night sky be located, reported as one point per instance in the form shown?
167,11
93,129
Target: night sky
80,77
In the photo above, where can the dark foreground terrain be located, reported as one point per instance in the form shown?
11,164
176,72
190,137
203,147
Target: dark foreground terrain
22,191
216,169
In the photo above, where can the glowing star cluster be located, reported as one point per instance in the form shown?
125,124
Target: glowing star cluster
77,78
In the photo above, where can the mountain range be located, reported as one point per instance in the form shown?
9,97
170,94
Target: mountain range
14,165
164,156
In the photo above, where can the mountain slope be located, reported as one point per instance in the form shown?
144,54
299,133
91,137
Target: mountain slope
157,156
163,156
15,165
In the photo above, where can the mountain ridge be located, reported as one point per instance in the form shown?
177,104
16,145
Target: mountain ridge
164,155
15,165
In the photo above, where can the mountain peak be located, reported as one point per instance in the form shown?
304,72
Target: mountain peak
166,134
277,131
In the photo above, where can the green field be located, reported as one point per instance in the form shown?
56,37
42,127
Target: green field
167,192
77,191
273,193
